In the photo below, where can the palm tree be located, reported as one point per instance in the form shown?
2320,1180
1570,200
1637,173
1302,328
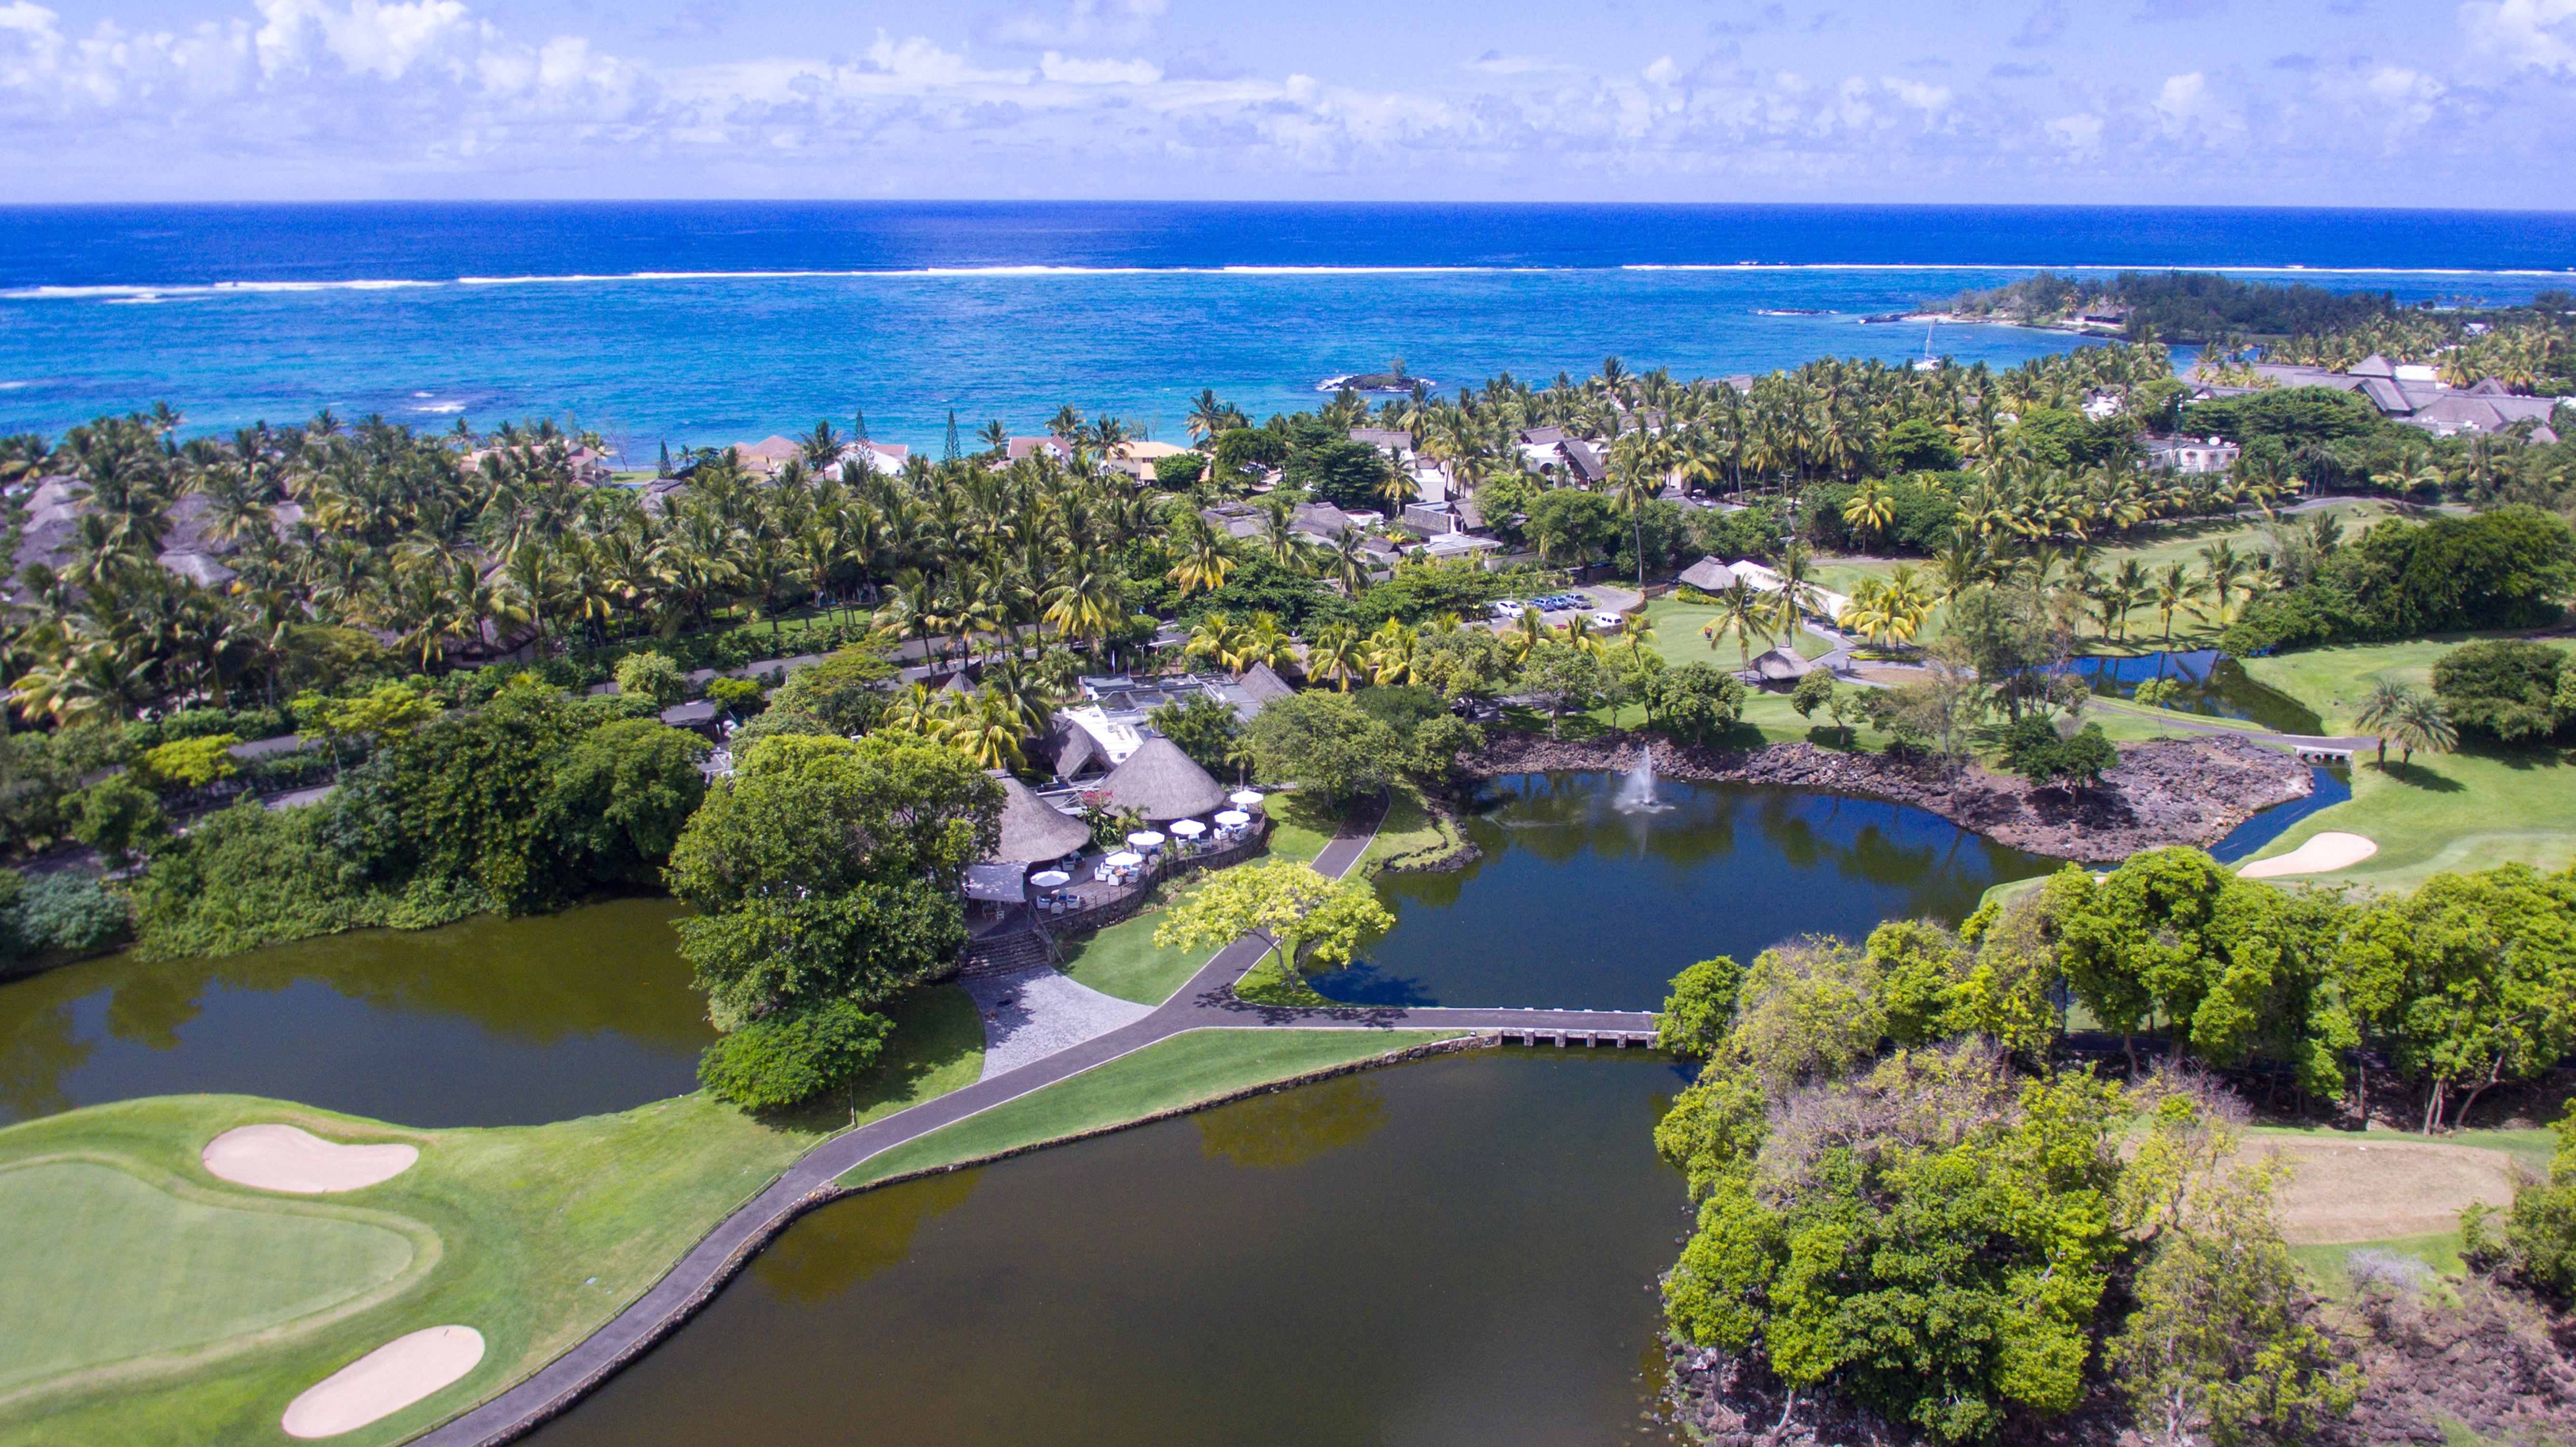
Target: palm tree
2176,588
1639,482
1213,639
1525,635
1392,655
2225,570
1349,562
1338,656
2424,723
1743,611
2382,707
1205,559
1871,509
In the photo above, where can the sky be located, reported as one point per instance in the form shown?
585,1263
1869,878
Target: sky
2235,102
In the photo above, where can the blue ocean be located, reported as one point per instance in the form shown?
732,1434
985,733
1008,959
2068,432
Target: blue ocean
697,323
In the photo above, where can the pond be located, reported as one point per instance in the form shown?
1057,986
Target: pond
1458,1251
1577,904
2213,684
488,1022
2332,786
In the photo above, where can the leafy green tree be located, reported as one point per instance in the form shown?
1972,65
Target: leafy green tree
2470,981
1917,444
1700,1011
2233,966
2007,639
828,869
2218,1347
1695,703
788,1059
1815,690
119,818
1932,1238
2538,1241
652,676
2507,687
1205,729
190,763
1571,526
844,692
1807,1011
1311,920
1329,745
2034,749
1435,749
623,792
1565,675
1469,663
740,697
1349,475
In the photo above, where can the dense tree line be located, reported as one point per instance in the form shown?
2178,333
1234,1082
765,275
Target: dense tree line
1908,1196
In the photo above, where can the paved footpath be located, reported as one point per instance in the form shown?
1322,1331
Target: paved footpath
1206,1002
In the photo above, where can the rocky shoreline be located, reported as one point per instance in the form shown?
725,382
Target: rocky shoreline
2164,792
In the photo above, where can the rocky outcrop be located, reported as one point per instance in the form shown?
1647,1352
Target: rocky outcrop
2169,791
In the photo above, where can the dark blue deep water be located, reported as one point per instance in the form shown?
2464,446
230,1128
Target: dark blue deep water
723,322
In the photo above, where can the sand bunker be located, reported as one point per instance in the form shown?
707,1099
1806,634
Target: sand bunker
282,1158
384,1381
2368,1188
2323,853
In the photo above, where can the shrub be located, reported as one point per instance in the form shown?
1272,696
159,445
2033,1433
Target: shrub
63,914
653,676
117,816
2033,749
737,696
789,1059
191,763
2506,686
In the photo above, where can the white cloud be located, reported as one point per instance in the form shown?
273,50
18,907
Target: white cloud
1096,23
1074,71
2187,105
2536,33
2079,134
1662,72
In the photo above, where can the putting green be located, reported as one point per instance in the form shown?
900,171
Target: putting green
105,1267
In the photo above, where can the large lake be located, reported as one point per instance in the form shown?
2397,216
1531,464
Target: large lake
488,1022
1459,1251
1577,904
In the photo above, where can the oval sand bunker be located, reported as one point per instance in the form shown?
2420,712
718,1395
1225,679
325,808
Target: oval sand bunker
283,1158
384,1381
2319,855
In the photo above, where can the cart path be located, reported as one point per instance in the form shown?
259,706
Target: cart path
1206,1002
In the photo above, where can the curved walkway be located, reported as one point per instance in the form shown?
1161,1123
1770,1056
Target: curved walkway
1206,1002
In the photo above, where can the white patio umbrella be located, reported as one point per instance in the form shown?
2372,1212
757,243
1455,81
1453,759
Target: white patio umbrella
1050,879
1123,859
1145,839
1233,817
1189,828
1247,799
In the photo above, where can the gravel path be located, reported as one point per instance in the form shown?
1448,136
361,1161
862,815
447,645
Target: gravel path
1033,1013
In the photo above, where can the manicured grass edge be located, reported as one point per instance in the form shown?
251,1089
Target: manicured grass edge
1423,1045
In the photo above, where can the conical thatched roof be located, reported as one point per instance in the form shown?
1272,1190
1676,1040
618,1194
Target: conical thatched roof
1781,665
1265,685
1031,830
1159,782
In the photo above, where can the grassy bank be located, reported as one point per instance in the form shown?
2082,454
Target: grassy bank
1123,961
1172,1075
532,1235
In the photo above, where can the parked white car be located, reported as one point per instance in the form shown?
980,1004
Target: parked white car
1606,620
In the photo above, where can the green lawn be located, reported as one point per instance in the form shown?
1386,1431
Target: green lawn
531,1235
1174,1074
2330,1264
1123,959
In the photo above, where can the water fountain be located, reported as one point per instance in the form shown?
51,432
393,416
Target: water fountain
1637,792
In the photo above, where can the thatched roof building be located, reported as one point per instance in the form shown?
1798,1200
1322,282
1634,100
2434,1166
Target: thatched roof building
1032,829
1709,576
1159,782
1781,665
1264,686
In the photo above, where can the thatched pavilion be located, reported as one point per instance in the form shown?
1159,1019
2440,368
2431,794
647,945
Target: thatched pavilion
1159,782
1032,830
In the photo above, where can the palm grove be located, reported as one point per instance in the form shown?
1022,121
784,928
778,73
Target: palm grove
371,562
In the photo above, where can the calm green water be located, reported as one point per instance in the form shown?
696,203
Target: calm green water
1576,904
488,1022
1452,1252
